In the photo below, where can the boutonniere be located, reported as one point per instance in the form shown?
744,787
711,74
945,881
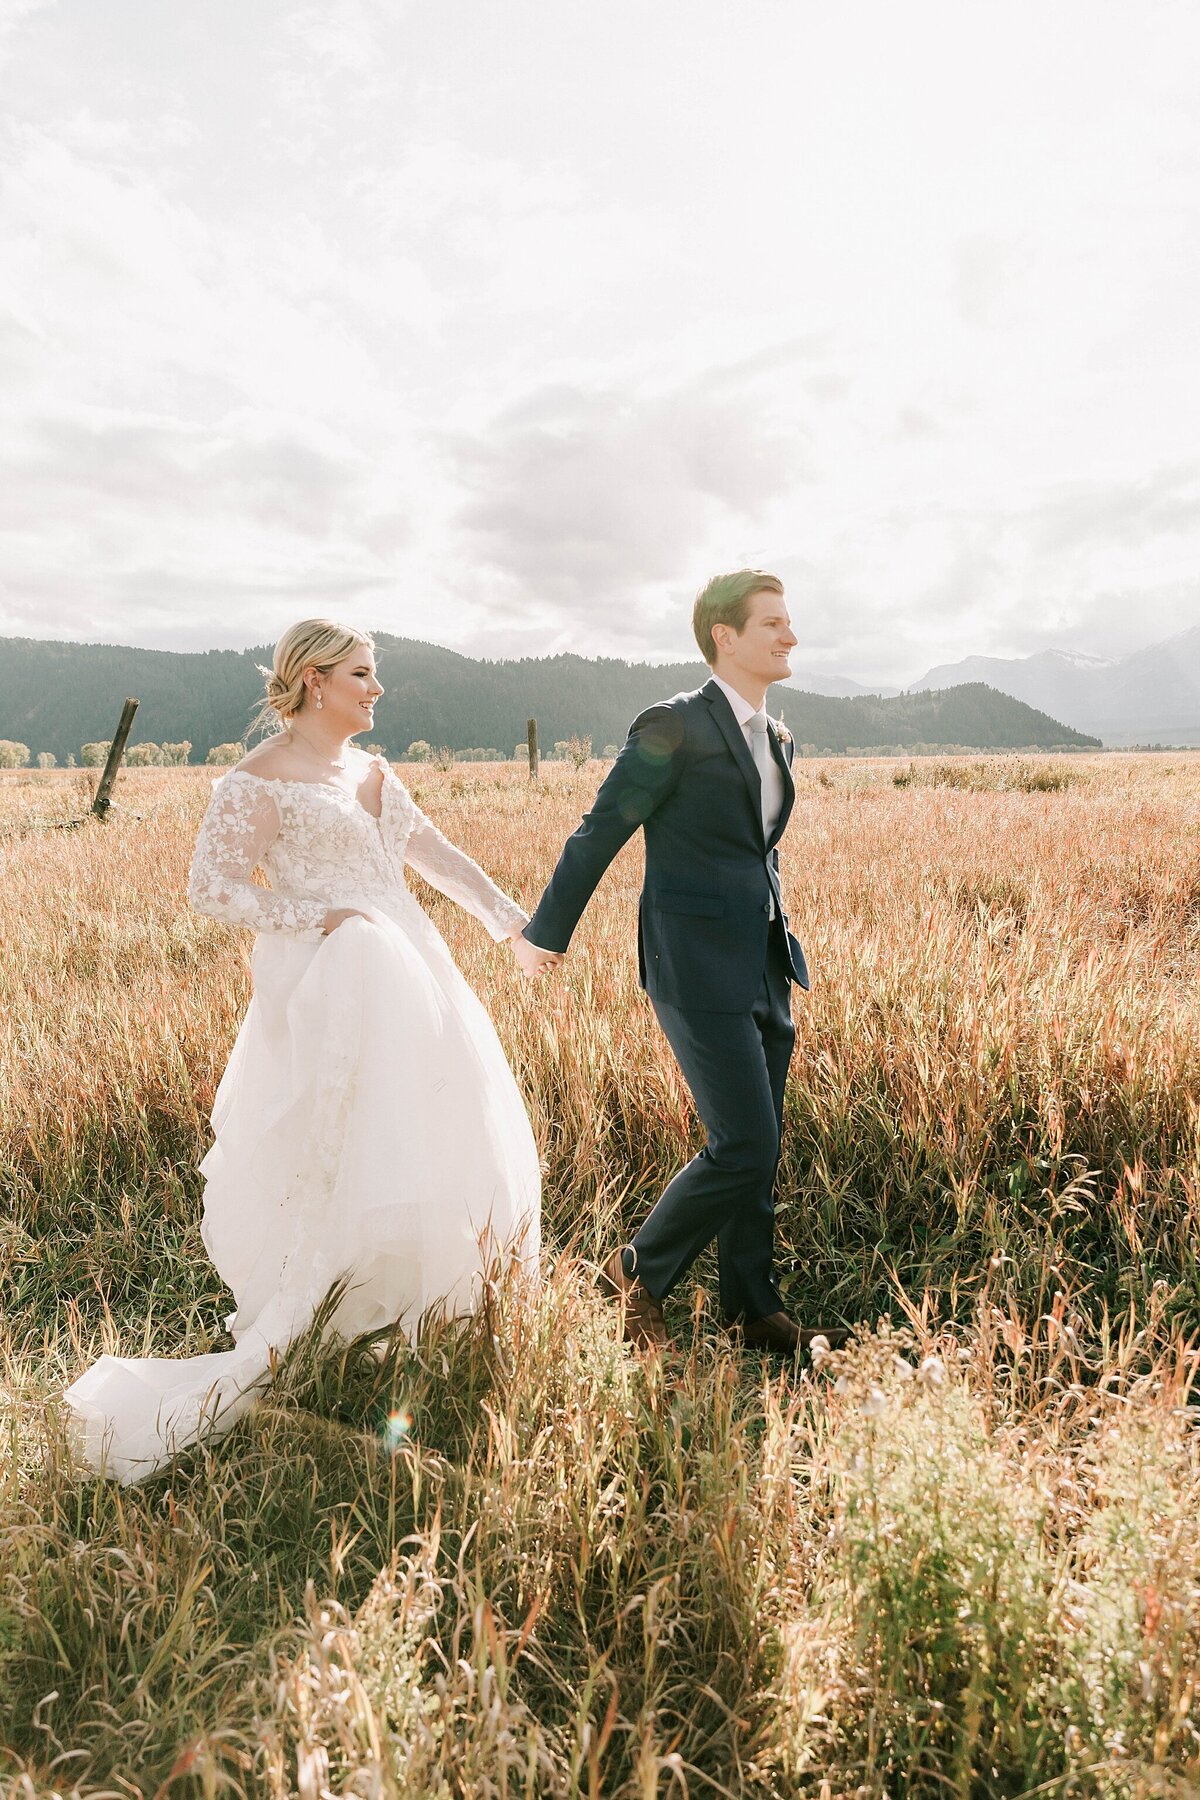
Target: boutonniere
781,731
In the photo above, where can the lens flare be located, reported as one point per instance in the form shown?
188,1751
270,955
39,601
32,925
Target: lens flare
397,1428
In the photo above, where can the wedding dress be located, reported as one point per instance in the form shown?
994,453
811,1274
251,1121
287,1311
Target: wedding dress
367,1126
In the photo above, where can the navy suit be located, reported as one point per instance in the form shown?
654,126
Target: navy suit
718,963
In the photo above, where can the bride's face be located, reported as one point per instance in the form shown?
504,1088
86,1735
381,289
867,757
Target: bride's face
349,692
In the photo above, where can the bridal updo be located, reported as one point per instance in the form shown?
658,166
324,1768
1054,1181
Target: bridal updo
318,644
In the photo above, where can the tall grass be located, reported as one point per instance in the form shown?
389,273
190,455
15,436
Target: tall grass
510,1559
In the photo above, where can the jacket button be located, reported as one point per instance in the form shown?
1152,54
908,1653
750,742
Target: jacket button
767,909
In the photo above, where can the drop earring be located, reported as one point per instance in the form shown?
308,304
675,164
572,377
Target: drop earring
320,702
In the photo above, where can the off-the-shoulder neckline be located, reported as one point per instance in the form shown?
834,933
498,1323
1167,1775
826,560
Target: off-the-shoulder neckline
328,787
284,781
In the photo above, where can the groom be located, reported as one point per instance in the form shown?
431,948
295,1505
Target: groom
708,778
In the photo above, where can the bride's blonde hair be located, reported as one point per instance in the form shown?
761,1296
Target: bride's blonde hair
318,644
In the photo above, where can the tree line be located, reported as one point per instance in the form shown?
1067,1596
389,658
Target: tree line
56,697
146,755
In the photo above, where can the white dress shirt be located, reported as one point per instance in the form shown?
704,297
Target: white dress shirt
772,796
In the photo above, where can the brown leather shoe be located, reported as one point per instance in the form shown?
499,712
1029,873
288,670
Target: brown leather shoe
781,1333
641,1314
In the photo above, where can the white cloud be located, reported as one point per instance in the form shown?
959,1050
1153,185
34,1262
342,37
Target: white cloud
582,498
511,334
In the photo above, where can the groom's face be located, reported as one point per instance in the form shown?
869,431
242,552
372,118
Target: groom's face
762,649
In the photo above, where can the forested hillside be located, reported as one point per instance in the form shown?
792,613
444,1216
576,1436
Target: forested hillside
55,697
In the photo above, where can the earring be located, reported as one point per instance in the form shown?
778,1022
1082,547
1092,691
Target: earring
320,702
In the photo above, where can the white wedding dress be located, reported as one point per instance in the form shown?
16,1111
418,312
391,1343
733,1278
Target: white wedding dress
368,1125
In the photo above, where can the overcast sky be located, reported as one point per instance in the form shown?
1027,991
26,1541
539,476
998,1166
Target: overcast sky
502,325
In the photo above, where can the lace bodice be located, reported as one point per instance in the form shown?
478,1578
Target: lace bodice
322,850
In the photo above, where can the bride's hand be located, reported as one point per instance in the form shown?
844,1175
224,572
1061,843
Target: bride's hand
339,916
533,960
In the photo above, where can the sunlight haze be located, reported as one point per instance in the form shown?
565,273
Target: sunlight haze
503,327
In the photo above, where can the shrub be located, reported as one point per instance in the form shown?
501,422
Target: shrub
989,775
224,755
12,754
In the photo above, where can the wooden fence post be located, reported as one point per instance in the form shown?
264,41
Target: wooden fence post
533,750
116,751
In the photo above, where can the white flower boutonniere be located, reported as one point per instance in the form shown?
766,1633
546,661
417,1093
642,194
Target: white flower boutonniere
781,731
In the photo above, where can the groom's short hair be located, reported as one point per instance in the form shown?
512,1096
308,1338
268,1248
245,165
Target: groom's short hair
724,601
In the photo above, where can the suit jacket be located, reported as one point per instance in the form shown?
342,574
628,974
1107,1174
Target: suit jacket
685,775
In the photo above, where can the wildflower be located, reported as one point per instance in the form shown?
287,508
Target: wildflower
875,1404
842,1385
932,1372
903,1368
818,1349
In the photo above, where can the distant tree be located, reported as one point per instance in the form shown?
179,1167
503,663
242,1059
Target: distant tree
610,750
375,749
70,763
225,754
144,756
521,752
56,691
12,754
175,755
92,756
46,759
417,751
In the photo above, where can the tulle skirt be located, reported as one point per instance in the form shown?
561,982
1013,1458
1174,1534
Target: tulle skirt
367,1128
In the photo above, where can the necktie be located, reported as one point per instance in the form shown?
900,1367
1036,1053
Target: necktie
764,762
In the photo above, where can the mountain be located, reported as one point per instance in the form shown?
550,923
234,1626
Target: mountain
56,696
840,686
1151,696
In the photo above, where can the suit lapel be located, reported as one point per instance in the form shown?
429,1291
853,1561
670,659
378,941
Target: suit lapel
735,737
789,786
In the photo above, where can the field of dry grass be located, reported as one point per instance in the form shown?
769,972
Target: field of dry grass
960,1558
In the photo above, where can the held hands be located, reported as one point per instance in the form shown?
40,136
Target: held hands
533,961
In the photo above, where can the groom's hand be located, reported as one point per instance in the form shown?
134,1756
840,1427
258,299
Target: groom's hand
532,958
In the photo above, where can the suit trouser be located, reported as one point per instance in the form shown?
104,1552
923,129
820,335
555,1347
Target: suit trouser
735,1065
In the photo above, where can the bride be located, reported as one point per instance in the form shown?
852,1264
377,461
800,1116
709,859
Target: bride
368,1125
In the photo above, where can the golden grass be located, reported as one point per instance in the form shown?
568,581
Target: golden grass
571,1579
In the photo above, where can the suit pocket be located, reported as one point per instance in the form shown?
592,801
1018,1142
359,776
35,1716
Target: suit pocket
701,906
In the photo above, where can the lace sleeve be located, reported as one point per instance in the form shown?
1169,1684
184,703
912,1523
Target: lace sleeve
242,821
452,872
